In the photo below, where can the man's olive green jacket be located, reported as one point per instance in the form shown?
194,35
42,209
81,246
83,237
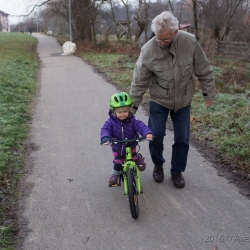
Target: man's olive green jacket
168,72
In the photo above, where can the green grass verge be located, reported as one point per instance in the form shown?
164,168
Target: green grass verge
18,78
117,68
225,127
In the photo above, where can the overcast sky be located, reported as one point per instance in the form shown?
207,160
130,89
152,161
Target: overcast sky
17,7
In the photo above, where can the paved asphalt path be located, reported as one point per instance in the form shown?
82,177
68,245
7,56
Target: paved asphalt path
69,204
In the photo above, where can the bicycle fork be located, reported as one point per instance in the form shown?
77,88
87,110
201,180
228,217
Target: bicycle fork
129,163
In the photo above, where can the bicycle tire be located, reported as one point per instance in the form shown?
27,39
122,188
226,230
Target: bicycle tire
133,193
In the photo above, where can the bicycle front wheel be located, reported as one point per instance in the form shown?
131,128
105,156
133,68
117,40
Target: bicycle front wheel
133,193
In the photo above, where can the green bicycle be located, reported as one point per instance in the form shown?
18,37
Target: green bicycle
130,176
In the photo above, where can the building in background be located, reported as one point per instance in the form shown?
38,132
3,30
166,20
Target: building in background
4,22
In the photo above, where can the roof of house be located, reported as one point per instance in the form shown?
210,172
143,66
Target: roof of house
185,25
3,13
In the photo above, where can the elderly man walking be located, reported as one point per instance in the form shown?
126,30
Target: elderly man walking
166,66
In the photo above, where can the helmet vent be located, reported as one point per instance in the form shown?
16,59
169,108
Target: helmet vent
116,99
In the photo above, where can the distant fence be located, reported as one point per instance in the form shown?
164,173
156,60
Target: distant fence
233,49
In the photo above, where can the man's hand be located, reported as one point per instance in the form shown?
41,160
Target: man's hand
209,102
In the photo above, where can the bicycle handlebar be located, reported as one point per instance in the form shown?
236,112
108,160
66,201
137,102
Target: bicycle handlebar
139,139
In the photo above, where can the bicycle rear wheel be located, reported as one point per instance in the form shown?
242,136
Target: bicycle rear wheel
133,193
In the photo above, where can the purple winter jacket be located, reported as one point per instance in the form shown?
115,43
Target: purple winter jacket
132,127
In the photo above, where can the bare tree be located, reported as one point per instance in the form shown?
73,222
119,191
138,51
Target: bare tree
127,7
34,6
84,15
159,6
146,12
82,19
242,23
221,16
56,12
232,7
141,18
196,21
194,6
112,4
171,5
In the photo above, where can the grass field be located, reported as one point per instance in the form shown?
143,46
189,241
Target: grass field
18,78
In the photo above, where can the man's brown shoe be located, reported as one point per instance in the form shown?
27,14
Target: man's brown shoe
178,180
158,174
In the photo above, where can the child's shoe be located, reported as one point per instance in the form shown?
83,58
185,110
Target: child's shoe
141,163
113,179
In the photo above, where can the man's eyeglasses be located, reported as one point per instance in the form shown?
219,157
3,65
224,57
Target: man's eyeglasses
163,40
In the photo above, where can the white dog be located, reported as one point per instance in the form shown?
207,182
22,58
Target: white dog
49,32
69,48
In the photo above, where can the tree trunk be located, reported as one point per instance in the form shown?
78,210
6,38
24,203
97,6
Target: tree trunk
141,25
129,33
171,6
114,20
82,19
180,16
146,7
196,26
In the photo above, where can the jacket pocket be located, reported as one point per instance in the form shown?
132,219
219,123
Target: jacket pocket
186,66
156,89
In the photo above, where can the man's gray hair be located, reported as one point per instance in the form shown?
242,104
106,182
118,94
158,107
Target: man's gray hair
164,21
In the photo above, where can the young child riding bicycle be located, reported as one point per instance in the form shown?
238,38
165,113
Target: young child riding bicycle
122,124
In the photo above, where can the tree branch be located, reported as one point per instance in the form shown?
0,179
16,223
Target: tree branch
37,5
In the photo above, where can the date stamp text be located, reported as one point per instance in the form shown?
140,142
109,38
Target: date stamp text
226,237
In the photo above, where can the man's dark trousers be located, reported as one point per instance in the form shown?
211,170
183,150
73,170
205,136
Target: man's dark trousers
181,123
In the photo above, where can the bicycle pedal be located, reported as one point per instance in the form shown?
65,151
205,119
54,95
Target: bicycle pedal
141,191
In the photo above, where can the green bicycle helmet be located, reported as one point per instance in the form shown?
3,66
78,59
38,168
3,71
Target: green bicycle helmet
119,100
